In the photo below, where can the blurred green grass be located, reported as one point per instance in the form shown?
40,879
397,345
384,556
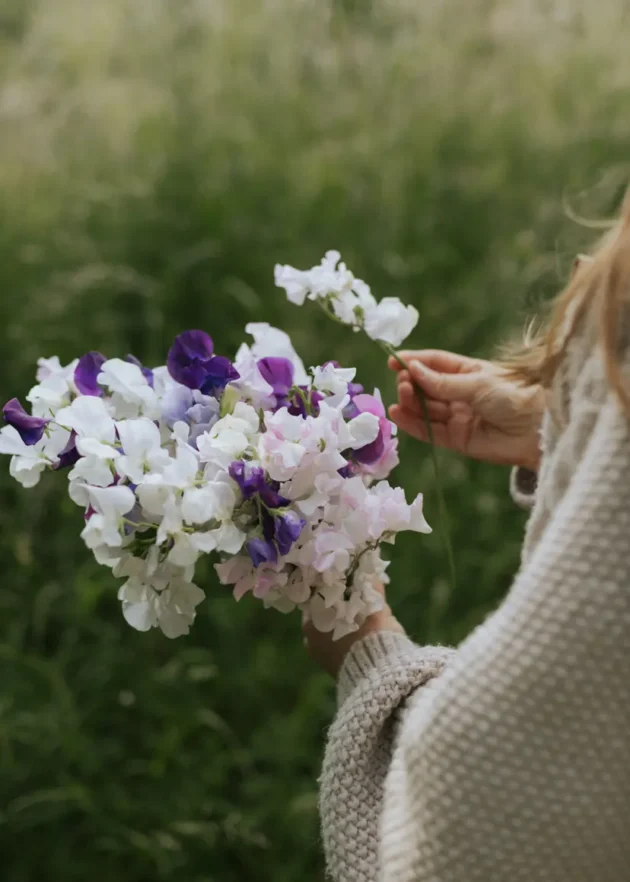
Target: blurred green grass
156,160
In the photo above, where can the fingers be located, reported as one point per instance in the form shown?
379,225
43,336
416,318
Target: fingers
445,387
409,422
437,360
438,411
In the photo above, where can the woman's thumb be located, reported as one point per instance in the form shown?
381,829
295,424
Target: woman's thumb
444,387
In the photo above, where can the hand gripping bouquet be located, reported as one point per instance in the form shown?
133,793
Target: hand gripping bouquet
278,472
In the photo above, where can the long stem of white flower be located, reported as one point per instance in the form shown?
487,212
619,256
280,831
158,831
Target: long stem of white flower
442,510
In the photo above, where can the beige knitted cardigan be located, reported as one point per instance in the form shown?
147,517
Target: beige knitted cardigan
507,760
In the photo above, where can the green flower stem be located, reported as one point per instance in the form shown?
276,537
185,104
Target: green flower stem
442,510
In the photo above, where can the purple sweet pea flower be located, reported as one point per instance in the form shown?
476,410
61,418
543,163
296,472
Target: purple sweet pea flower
69,456
279,373
251,481
200,412
30,428
288,528
262,551
191,361
249,478
86,372
146,372
220,372
189,357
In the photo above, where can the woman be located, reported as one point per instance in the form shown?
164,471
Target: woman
508,759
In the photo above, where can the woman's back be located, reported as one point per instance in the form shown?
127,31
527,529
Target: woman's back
514,764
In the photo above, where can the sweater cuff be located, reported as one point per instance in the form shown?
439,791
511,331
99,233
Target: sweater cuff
523,486
379,650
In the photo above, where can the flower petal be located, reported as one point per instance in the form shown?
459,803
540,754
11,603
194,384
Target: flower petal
86,373
31,429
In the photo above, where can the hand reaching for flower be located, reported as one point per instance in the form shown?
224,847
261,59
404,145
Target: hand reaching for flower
472,407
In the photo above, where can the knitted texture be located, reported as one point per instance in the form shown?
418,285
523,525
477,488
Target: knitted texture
513,764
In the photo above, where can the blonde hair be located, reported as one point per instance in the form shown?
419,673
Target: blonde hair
599,289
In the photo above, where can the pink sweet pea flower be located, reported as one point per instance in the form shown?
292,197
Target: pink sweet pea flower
379,457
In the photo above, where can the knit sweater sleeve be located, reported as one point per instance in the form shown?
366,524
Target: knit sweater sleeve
514,763
378,676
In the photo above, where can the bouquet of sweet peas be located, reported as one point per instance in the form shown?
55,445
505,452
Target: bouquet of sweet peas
278,471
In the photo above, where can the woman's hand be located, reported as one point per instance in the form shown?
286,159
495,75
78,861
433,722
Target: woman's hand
329,654
472,407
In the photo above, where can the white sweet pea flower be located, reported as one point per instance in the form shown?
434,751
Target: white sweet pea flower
252,386
112,502
270,341
107,556
295,282
230,437
332,551
417,520
248,415
323,617
52,367
142,451
364,429
350,299
318,282
52,393
351,304
30,460
223,447
331,428
331,282
184,552
89,470
188,547
172,610
228,538
172,524
390,513
128,383
157,490
333,381
26,471
89,418
281,459
299,586
212,502
101,531
95,449
275,598
390,321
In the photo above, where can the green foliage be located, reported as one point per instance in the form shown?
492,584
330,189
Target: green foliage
155,161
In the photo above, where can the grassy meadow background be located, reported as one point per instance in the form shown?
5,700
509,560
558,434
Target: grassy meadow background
156,160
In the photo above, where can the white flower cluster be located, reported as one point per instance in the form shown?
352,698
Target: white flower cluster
277,471
350,300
